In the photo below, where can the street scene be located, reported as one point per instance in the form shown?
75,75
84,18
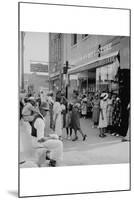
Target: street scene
74,100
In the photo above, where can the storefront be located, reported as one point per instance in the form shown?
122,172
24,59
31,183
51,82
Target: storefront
55,82
98,75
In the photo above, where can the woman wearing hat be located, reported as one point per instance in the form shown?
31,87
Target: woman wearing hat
103,114
110,113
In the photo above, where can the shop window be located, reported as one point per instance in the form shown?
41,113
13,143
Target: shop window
74,39
106,76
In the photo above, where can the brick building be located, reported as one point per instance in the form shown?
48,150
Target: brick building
56,60
94,61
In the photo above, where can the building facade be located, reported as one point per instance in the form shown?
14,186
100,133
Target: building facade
94,61
55,60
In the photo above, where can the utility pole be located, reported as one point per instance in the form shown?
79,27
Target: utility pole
65,71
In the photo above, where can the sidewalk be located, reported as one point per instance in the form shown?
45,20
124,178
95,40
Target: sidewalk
95,150
110,154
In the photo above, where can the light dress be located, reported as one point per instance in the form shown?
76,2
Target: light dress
103,107
57,109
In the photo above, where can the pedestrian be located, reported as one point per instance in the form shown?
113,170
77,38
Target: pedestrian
84,106
103,116
51,103
75,118
96,110
68,121
46,147
110,113
64,110
57,118
116,117
127,136
30,110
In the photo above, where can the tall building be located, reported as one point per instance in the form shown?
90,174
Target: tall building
55,60
94,60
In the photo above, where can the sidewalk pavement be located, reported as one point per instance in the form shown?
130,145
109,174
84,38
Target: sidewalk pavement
95,150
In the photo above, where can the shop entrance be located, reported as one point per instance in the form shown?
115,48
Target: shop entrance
87,81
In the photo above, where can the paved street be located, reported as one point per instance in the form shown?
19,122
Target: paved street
95,150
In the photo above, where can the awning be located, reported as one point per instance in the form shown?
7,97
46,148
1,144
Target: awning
101,61
54,75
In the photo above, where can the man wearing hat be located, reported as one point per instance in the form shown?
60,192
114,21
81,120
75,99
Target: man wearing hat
30,110
45,145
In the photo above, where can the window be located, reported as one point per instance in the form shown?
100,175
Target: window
74,39
106,76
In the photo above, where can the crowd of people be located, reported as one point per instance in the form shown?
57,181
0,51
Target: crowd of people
106,112
61,113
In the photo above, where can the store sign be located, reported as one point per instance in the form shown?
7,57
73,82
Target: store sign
38,67
94,53
106,47
73,77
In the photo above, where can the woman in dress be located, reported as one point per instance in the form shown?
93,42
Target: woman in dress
109,113
75,117
103,114
84,106
68,121
96,110
57,118
116,117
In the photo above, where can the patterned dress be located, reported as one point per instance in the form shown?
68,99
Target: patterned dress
96,111
110,112
58,125
103,121
116,117
75,117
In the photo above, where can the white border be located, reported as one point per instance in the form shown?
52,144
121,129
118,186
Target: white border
79,179
71,19
8,89
66,19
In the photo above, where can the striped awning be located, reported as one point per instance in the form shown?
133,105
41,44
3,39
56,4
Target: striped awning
101,61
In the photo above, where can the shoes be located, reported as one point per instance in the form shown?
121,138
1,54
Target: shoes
69,138
52,163
22,162
102,135
48,155
76,138
84,137
124,140
117,135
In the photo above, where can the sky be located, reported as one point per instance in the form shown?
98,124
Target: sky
36,48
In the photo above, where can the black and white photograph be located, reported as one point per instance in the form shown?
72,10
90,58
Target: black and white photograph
74,101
